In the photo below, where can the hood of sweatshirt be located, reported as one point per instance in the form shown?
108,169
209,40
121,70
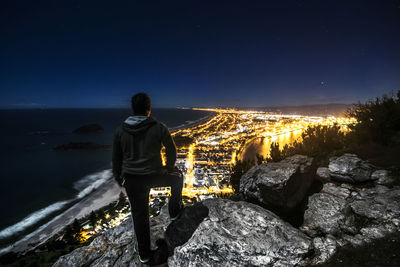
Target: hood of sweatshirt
137,124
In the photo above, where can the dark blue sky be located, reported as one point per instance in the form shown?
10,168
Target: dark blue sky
197,53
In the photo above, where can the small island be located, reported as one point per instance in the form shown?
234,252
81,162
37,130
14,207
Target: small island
89,128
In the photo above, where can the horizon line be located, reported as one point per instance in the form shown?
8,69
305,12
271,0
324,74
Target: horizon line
176,107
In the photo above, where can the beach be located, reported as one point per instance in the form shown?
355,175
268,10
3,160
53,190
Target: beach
100,197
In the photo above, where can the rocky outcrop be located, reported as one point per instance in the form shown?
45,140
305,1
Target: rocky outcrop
81,146
242,234
282,184
215,232
220,232
328,212
89,128
180,230
349,168
344,215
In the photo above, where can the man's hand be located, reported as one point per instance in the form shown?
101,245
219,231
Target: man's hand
164,170
119,179
174,170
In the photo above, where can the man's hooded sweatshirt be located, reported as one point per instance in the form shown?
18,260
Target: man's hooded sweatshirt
137,147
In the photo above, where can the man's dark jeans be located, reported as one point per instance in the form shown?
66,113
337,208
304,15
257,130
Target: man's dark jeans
138,188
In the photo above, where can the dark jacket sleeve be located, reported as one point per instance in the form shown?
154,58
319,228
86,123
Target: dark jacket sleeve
117,157
170,148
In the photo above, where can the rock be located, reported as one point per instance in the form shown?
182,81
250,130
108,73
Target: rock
281,184
323,174
325,248
382,177
343,215
242,234
328,212
349,168
210,233
84,255
304,162
382,204
81,145
180,230
89,128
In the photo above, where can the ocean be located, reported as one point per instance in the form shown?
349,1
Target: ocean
36,181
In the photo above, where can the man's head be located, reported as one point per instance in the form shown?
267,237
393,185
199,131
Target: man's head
141,104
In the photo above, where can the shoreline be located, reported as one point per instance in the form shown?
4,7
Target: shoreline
100,197
194,123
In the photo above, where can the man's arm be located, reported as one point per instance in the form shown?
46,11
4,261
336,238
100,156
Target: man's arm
117,158
170,148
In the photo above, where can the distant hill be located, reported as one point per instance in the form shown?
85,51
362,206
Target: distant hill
310,110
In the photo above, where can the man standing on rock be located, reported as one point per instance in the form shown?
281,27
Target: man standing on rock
137,165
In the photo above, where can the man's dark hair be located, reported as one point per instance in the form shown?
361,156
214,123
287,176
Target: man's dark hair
141,104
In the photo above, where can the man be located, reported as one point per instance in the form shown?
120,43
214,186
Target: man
137,165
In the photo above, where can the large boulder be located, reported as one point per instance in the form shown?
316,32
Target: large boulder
328,212
282,184
242,234
343,215
179,231
350,168
215,232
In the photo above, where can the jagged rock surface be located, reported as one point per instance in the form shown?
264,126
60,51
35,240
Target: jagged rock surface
282,184
382,177
323,174
350,168
242,234
232,233
344,215
178,232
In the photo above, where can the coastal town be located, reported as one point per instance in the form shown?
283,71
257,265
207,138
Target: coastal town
207,151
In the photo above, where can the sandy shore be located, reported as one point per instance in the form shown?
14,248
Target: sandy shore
102,196
194,123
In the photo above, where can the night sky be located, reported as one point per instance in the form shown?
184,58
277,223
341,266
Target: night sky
197,53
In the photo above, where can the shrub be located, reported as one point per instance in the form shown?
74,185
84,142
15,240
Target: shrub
377,120
318,141
237,170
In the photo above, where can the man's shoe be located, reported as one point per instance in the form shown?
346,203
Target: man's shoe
174,218
157,257
144,260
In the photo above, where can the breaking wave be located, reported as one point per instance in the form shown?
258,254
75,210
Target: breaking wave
32,219
84,186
